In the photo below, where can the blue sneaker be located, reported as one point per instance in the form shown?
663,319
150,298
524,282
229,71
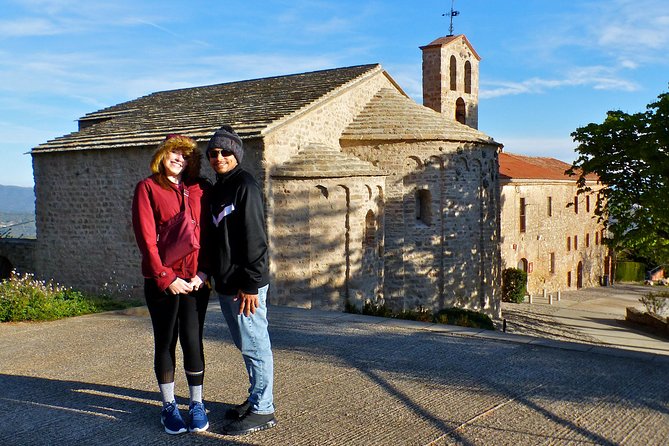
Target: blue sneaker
198,417
171,419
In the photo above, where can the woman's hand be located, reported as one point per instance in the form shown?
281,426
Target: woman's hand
180,286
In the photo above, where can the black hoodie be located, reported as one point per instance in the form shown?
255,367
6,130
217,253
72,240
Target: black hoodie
238,217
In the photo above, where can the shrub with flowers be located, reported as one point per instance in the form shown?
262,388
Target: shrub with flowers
24,298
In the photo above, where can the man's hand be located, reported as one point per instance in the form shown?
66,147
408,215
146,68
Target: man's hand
198,281
249,303
180,286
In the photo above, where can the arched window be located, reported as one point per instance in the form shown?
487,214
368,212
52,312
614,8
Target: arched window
468,77
460,111
424,206
454,73
369,241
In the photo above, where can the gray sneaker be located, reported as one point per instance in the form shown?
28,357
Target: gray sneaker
250,422
236,412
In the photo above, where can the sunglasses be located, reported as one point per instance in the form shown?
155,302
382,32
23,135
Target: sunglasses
215,153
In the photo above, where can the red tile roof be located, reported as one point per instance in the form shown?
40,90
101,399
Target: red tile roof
512,166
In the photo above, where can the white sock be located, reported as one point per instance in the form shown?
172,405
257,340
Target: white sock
195,394
167,392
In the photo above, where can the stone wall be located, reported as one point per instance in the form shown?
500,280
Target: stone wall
16,254
573,238
327,239
83,217
448,255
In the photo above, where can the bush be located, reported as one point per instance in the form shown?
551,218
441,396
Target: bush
655,303
630,272
23,298
452,316
464,318
514,285
373,309
420,314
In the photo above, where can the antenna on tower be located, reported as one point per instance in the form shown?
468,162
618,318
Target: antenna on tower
453,13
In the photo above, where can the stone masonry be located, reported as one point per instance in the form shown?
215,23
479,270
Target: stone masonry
561,246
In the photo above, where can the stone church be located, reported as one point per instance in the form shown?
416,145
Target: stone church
369,195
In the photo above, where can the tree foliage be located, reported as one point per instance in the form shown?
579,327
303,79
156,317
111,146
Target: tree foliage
630,155
514,285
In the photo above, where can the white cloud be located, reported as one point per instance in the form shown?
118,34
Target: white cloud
598,78
632,30
28,27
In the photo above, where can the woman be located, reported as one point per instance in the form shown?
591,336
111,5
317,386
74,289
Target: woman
176,291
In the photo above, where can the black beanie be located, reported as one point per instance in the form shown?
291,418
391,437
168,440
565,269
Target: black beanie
225,138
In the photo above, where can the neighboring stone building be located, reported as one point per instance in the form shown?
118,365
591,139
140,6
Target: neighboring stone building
547,229
369,195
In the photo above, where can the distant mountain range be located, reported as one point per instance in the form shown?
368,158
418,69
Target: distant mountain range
17,212
15,199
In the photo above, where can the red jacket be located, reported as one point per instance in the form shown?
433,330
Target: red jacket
152,205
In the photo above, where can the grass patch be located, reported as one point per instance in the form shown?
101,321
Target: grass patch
24,298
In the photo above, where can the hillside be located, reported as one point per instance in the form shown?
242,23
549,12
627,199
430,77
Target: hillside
17,212
15,199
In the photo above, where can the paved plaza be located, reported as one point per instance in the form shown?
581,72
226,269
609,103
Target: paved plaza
556,377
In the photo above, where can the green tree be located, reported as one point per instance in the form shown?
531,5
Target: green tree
630,155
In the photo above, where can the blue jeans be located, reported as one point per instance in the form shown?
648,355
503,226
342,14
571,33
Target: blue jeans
251,337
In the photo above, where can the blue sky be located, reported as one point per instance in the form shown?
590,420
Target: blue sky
547,67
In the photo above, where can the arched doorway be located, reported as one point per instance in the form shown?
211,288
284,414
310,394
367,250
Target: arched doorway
579,275
6,268
522,264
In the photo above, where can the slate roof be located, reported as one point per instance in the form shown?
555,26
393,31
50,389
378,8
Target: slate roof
322,161
249,106
392,116
512,166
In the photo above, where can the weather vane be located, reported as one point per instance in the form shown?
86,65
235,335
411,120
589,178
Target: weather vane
453,13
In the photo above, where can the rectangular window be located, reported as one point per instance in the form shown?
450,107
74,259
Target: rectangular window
575,242
568,243
587,240
576,204
596,238
568,279
549,209
522,215
551,265
587,203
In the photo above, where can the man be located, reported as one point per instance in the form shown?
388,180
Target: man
242,277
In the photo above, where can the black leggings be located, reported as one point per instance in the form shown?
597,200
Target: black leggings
177,316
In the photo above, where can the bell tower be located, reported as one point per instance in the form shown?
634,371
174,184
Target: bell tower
451,78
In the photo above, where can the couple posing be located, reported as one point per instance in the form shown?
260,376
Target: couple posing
227,242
